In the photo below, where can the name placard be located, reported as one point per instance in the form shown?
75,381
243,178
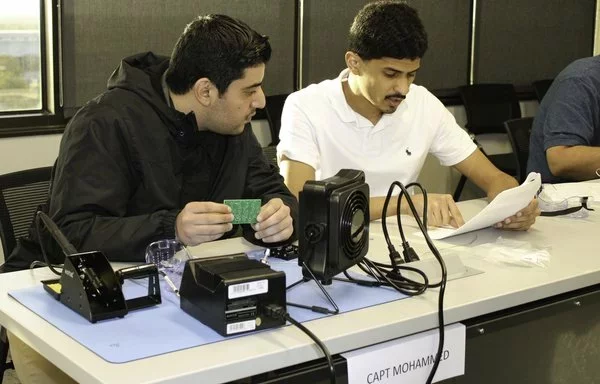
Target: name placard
409,359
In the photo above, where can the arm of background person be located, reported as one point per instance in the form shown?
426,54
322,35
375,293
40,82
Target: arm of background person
297,152
295,174
571,126
576,163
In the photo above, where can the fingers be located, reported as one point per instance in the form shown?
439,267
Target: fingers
457,219
443,211
205,213
206,207
274,222
267,210
522,220
208,218
532,208
200,222
278,232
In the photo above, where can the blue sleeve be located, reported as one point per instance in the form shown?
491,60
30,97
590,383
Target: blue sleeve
573,115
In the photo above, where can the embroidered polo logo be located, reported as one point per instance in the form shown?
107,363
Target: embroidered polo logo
408,152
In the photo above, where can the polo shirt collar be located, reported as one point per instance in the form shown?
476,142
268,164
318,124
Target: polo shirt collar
338,100
341,106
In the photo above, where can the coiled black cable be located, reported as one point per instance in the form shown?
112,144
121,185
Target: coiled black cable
390,275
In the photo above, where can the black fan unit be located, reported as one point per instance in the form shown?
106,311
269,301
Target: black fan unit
334,224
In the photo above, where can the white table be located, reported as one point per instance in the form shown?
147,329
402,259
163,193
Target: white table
575,264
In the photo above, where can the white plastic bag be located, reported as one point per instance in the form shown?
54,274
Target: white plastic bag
514,252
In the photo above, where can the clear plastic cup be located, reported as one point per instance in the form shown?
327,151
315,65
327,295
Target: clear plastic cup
169,256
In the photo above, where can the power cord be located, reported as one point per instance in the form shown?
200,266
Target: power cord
407,251
390,275
277,312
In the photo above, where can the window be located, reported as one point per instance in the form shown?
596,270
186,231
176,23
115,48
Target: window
20,56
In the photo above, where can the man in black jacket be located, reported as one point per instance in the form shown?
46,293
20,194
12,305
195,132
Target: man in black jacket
155,155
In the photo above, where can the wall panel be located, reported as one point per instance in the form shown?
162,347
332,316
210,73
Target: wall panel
447,23
97,34
521,41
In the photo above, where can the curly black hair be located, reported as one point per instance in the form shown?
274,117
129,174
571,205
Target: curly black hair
387,28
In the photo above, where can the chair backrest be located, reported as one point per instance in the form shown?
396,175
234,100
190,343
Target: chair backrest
518,131
273,109
270,153
20,195
488,106
541,87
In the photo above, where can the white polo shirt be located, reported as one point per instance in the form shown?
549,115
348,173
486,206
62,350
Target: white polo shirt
320,129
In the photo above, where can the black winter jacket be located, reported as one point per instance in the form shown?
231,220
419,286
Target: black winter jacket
128,163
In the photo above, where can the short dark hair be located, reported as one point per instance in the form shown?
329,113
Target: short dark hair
217,47
387,28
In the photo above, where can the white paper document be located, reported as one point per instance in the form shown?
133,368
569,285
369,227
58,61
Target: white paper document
506,204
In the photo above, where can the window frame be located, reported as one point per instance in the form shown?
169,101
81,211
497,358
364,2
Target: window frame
49,119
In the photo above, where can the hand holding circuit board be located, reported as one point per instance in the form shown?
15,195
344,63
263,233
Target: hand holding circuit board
199,222
272,222
245,211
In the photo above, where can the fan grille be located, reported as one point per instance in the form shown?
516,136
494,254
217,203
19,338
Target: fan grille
353,224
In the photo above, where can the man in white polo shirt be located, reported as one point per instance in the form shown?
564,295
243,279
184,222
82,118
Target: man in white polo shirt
372,117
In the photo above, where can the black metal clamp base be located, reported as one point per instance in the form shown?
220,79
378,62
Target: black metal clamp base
89,286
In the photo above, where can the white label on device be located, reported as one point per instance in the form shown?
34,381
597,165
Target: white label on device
242,326
247,289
